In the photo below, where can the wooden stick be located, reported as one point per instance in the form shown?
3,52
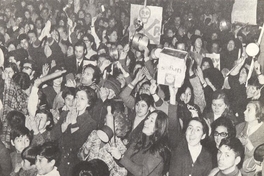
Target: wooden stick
52,76
261,34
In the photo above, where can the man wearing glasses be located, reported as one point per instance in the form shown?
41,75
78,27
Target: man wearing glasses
28,67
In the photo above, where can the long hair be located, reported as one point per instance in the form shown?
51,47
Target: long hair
159,141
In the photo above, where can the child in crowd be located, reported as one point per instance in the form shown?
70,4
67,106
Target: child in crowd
47,159
229,157
41,125
21,138
28,161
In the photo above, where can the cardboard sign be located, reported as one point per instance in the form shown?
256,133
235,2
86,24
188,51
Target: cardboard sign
215,59
151,17
244,11
172,67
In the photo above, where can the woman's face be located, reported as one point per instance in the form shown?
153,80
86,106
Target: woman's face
69,101
198,43
27,14
113,37
194,133
205,65
150,124
87,18
251,91
81,14
141,108
218,106
231,45
186,96
81,100
70,51
87,42
242,76
250,113
214,36
219,134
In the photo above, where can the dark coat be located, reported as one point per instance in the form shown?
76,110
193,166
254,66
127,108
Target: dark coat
71,65
142,163
70,143
182,164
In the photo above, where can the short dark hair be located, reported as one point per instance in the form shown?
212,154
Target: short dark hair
30,154
204,124
49,117
22,80
51,151
94,167
21,131
15,118
68,91
80,43
91,95
145,97
235,145
22,37
96,73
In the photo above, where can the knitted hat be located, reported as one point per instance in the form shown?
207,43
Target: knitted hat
113,84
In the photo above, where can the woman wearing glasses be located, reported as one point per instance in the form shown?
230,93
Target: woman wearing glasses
221,128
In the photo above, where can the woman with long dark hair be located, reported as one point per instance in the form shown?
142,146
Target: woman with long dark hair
150,154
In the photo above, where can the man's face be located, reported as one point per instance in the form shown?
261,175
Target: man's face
87,76
32,37
27,68
112,23
24,44
79,52
227,159
43,165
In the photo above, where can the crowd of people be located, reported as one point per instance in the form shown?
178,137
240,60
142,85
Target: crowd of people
77,99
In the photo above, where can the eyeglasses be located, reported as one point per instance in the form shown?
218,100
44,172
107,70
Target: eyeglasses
222,134
27,68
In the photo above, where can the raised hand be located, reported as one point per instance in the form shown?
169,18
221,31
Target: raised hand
153,87
146,73
45,69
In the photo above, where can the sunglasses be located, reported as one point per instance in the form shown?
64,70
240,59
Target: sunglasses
223,134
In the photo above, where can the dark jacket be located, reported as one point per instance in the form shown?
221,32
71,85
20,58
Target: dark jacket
142,163
71,65
70,143
182,164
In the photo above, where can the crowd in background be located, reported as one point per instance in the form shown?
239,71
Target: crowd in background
104,113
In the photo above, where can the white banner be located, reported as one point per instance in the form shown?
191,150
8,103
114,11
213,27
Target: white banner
151,16
172,67
245,11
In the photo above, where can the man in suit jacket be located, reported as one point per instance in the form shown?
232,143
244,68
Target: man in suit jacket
75,65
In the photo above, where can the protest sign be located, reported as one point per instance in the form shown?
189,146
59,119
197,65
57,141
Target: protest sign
151,17
215,59
244,11
172,67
